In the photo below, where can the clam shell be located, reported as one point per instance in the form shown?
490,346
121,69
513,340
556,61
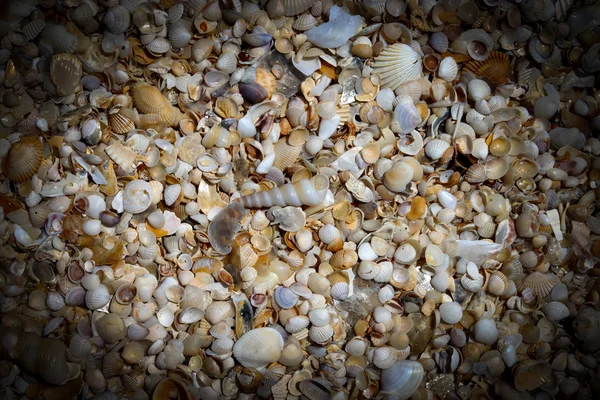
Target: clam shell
23,159
304,22
258,348
320,334
556,311
402,379
448,69
436,148
117,19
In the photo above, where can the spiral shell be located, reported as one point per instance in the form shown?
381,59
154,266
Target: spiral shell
310,192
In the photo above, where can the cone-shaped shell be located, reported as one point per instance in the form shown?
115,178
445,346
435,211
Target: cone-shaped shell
397,64
258,348
23,159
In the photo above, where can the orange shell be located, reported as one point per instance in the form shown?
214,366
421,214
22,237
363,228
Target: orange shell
23,160
495,68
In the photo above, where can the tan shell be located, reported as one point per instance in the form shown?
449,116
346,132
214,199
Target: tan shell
540,283
23,160
65,73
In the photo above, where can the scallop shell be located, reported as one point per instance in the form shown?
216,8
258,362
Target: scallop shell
320,334
495,68
179,35
120,123
258,348
540,283
397,64
304,22
65,72
61,40
23,159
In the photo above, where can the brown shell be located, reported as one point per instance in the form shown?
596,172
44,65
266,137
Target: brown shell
120,123
149,100
540,283
495,68
23,160
65,73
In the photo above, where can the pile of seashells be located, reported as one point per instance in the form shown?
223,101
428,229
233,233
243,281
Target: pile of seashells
316,199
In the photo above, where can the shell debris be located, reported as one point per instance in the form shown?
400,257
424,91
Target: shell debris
317,199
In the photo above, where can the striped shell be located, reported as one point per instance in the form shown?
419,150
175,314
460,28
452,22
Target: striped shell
397,64
34,28
540,283
117,19
495,68
23,160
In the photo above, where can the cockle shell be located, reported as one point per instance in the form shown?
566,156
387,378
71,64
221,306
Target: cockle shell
448,69
117,19
258,348
23,159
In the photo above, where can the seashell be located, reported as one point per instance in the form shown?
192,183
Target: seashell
451,312
448,69
258,348
556,311
149,100
137,196
436,148
476,42
171,194
310,192
320,334
97,298
402,379
179,36
137,331
497,283
340,291
485,331
540,283
285,297
23,159
439,41
495,68
406,116
79,346
159,45
33,28
227,63
397,64
217,311
65,73
297,324
397,177
304,22
478,90
110,328
117,19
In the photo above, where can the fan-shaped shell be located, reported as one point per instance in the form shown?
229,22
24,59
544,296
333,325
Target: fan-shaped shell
65,72
258,348
403,379
117,19
397,64
556,311
540,283
448,69
23,159
495,68
497,284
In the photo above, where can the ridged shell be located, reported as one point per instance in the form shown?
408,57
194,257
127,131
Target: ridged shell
23,159
65,72
540,283
439,42
397,64
497,284
179,35
436,148
285,297
159,45
59,38
556,311
120,123
34,28
304,22
320,334
495,68
258,348
117,19
295,7
448,69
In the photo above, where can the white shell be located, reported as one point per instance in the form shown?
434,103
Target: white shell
297,323
451,312
406,115
137,196
479,90
137,331
145,285
309,192
258,348
384,357
403,379
320,334
448,69
319,316
92,227
340,291
171,194
217,311
397,64
436,148
486,331
97,298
